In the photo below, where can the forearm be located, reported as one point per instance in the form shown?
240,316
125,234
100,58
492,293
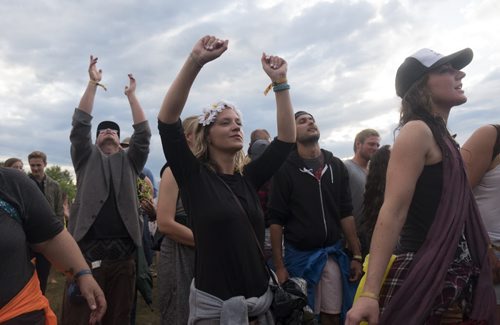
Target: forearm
176,232
285,117
63,252
277,245
349,229
138,115
177,94
384,240
87,100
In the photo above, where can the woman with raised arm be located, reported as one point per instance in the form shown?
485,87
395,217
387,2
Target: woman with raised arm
429,220
219,193
481,153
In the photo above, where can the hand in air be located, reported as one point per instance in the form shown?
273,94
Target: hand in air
275,67
94,74
130,89
208,49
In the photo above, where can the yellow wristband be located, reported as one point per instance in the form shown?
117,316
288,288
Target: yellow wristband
368,294
274,83
357,258
98,84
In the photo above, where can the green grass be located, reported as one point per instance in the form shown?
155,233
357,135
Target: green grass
145,316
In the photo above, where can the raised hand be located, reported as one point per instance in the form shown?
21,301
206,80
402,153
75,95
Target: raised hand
130,89
275,67
94,74
208,49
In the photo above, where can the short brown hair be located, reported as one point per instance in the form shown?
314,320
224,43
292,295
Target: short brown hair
363,135
38,154
11,161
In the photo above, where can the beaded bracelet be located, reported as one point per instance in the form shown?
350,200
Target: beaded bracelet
273,84
368,294
281,87
82,272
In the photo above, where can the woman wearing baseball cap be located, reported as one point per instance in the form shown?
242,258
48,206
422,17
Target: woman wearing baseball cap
429,220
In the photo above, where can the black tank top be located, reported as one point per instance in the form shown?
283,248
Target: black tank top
422,209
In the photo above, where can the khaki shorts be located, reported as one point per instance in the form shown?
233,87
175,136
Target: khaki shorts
328,293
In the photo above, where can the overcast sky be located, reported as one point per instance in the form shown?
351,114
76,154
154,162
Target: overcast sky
342,58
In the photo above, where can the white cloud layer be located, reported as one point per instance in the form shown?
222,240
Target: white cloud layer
342,59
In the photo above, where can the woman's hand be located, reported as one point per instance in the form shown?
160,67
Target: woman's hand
130,89
275,67
94,74
148,207
208,49
363,309
94,296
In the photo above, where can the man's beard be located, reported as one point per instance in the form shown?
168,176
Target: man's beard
308,139
108,141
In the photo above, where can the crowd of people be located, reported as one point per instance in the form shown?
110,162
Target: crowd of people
422,213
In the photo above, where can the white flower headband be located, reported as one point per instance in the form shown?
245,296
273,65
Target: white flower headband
210,113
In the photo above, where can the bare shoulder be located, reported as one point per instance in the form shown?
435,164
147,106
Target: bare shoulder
416,133
416,140
485,135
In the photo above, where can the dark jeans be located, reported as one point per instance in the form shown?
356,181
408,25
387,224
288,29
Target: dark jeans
117,280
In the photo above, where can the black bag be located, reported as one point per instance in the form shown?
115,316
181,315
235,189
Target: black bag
289,301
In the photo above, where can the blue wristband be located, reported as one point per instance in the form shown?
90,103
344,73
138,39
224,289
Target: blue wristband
281,87
82,272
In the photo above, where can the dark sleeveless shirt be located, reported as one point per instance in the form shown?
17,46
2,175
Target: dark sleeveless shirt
422,209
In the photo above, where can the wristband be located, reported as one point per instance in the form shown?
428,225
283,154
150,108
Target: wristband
358,258
82,272
275,83
98,84
368,294
281,87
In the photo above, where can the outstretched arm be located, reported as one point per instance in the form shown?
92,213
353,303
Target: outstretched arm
95,76
205,50
276,68
137,111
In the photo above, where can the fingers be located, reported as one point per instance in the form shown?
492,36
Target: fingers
273,61
100,309
213,43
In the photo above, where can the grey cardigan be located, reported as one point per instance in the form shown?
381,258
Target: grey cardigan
94,172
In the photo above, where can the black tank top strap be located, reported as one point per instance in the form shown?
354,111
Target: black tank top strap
496,148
